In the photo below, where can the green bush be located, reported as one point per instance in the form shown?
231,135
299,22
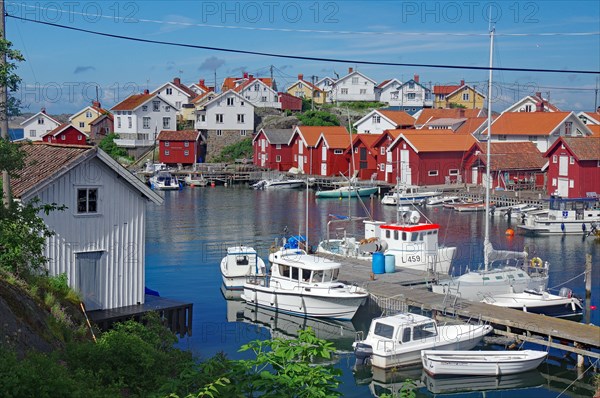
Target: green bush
318,118
108,145
240,150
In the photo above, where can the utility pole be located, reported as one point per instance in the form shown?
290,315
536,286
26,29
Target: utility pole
215,73
6,197
596,95
312,95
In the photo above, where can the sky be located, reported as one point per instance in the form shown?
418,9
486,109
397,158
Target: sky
64,68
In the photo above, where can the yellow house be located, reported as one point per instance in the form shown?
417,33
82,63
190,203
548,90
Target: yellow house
458,96
304,89
82,119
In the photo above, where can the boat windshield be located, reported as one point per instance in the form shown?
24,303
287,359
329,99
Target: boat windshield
330,275
424,331
383,330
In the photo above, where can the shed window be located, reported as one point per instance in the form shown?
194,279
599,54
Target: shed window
432,173
87,200
338,151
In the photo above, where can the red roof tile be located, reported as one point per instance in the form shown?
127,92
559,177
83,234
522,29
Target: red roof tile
527,123
595,129
401,118
512,155
583,148
180,135
132,102
230,82
445,89
383,83
428,114
311,134
440,141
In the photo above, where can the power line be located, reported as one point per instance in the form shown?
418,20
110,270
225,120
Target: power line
305,58
268,29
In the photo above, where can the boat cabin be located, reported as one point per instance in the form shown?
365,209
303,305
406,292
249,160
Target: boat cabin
298,267
242,258
574,209
402,234
403,328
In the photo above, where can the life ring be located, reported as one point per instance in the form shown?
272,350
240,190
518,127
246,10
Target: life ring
536,262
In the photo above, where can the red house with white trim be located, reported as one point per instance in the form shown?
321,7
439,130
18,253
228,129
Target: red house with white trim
430,158
574,167
272,149
363,156
304,141
182,146
513,166
66,134
334,159
385,166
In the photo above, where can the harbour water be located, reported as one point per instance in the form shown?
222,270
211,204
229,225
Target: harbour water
188,235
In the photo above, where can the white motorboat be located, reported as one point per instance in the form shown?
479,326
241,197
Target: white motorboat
195,181
304,285
164,181
239,263
563,305
398,340
279,183
407,194
480,363
504,278
413,243
565,216
442,200
347,192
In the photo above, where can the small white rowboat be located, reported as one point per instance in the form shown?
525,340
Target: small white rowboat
480,363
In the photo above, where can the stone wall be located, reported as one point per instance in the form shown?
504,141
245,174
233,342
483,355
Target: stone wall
215,144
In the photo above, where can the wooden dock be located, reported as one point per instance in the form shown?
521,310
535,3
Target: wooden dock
177,315
406,288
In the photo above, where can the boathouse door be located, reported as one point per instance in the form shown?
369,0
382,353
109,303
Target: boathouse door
405,172
474,174
88,279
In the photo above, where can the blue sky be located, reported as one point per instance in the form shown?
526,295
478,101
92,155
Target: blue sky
63,67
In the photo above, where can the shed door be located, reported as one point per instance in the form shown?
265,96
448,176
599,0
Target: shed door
563,166
405,172
88,279
323,169
563,187
474,173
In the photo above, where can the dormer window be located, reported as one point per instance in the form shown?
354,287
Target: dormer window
88,114
155,106
169,91
41,120
568,128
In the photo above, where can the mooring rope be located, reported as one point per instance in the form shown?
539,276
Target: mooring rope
579,377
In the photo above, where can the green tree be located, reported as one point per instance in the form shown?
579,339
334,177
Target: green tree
8,77
318,118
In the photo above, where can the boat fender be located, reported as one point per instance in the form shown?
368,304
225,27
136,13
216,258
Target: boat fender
583,227
536,262
562,227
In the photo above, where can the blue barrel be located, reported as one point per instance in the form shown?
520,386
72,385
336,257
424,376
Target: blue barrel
390,263
378,263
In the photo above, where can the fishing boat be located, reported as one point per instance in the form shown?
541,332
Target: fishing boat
239,263
279,183
304,285
163,180
412,243
564,216
561,305
397,340
193,181
503,271
407,194
349,191
480,363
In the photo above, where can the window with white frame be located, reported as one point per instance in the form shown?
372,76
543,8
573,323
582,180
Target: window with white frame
129,122
465,96
263,99
166,122
381,166
41,120
571,160
277,158
81,124
568,128
432,173
363,91
88,114
411,85
453,172
144,108
79,137
167,108
219,133
243,133
344,91
167,143
169,91
167,152
355,80
571,183
554,158
554,182
376,119
186,144
178,104
32,133
295,158
87,200
203,117
240,118
382,150
278,146
219,118
230,101
410,96
338,151
146,122
356,150
155,106
186,153
118,122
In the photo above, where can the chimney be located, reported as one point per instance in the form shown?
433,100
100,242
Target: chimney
177,80
251,76
538,94
245,75
416,78
462,82
96,104
202,82
300,76
146,91
350,70
461,113
43,111
539,106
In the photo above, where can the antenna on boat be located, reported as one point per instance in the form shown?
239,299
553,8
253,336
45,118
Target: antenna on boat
486,241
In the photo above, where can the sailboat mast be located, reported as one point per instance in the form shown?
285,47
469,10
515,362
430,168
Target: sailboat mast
486,241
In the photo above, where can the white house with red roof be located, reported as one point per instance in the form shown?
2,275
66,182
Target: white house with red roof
326,84
541,128
379,120
259,93
37,125
532,103
175,93
355,86
200,87
590,118
139,118
388,91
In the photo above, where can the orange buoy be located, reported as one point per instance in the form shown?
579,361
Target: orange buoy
509,232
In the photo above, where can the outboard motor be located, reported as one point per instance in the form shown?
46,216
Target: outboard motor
363,353
565,292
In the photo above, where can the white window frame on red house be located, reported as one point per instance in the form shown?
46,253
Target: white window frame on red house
382,150
381,166
186,144
295,158
167,153
554,182
453,172
186,153
277,158
278,146
433,173
571,160
338,151
554,159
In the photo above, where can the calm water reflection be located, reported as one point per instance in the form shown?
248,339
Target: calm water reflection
187,237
